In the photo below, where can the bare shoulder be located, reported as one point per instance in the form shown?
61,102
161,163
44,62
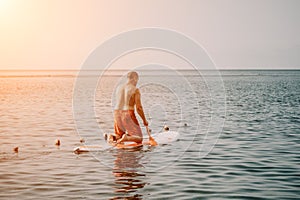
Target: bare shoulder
120,87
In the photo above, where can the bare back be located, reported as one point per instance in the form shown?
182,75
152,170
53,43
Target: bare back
125,97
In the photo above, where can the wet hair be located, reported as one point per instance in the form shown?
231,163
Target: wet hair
132,74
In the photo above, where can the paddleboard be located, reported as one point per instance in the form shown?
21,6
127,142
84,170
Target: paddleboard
161,138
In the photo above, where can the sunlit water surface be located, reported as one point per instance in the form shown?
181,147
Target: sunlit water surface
257,155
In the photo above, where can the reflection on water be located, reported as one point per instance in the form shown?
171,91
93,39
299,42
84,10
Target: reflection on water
257,155
128,178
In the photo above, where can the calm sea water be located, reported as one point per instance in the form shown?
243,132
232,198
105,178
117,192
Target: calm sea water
256,156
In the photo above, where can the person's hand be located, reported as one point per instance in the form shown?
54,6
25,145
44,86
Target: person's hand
145,123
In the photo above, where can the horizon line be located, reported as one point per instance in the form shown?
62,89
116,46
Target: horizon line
180,69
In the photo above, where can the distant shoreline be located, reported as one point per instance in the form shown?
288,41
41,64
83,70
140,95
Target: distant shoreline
77,70
146,73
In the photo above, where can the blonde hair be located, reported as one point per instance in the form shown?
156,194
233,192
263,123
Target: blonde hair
132,74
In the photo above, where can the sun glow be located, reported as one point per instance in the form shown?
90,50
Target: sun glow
4,4
5,9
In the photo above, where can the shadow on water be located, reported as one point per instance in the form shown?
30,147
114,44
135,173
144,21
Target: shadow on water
128,178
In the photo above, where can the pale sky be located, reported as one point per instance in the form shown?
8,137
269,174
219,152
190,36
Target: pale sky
237,34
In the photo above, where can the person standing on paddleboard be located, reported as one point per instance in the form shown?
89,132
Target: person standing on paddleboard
128,98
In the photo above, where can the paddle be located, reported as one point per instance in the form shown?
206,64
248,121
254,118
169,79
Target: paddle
151,139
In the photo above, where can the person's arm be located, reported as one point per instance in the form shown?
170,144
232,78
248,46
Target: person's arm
139,107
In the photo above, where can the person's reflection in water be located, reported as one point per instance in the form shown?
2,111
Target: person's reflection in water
128,178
